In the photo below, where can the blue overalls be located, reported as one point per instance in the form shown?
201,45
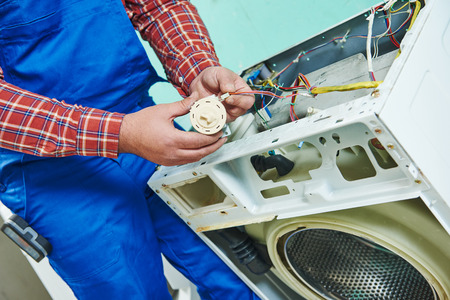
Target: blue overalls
106,226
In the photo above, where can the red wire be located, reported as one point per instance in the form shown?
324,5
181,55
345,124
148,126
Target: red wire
391,36
293,110
267,93
294,93
290,87
305,80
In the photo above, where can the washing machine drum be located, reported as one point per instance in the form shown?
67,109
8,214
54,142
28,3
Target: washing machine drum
340,265
389,251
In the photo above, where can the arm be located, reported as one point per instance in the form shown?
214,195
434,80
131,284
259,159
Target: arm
182,43
178,36
38,125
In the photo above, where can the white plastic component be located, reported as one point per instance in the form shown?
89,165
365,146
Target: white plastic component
263,113
224,190
311,111
224,96
208,115
361,149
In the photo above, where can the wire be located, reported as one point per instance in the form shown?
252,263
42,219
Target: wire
389,4
266,93
318,90
292,113
389,31
266,107
345,37
413,19
312,90
268,87
416,12
404,23
384,34
303,53
347,87
370,18
394,11
280,88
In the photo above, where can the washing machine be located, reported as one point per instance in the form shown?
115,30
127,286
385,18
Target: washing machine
336,184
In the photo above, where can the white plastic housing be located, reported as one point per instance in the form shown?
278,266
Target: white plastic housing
407,115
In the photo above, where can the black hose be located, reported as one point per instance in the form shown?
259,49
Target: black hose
262,163
244,250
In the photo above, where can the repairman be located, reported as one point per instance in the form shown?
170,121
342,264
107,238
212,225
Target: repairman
80,137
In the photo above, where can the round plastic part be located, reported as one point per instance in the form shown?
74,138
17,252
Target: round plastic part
208,115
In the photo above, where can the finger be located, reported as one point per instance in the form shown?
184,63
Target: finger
226,80
244,101
238,105
218,80
195,140
234,112
182,107
193,155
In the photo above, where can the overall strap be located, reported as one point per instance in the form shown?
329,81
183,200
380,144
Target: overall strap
84,52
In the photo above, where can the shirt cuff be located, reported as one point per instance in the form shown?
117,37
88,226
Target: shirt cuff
190,67
98,133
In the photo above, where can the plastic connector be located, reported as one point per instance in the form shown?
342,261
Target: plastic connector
254,75
224,96
265,113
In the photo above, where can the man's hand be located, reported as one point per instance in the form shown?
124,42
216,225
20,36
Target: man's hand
150,133
218,81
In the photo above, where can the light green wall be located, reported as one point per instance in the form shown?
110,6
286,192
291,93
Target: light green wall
248,31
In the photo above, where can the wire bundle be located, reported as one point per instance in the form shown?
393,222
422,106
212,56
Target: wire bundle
301,83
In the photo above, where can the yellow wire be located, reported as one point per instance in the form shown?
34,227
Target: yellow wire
394,11
347,87
301,80
269,82
416,12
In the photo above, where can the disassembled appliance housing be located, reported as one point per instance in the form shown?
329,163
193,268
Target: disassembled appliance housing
334,186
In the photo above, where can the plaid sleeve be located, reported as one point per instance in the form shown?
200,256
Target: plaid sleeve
178,36
41,126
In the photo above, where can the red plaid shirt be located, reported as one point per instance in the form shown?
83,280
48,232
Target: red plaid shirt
38,125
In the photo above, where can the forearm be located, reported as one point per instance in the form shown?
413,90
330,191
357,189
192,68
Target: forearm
41,126
178,36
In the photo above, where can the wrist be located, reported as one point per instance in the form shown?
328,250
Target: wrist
189,69
124,145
